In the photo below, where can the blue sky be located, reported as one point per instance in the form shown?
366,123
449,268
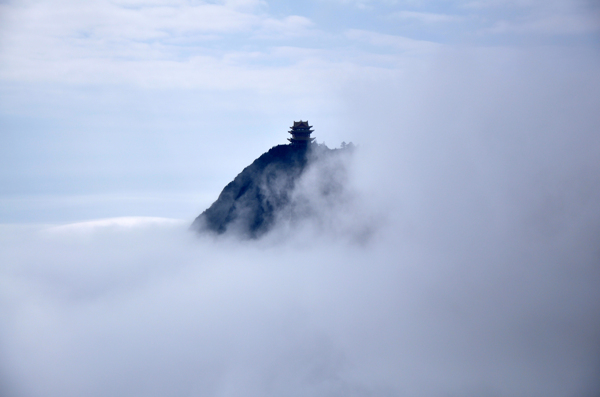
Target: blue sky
114,108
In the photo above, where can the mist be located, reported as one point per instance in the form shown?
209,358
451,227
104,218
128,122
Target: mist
462,260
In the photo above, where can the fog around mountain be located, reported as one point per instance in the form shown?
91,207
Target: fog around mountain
461,259
454,253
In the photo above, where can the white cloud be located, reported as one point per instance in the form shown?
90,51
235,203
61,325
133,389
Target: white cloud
477,169
128,222
397,42
520,4
570,24
87,42
426,17
289,26
526,17
482,273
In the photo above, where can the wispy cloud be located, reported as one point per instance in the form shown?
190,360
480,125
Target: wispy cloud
551,18
79,41
398,43
426,17
567,24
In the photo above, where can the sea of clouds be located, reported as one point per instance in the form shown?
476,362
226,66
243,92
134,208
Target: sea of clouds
462,261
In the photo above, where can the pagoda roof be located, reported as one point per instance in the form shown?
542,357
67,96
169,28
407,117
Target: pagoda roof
301,124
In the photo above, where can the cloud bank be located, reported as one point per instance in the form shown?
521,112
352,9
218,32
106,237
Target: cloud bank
462,259
479,277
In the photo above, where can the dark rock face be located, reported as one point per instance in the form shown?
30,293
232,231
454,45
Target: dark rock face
250,203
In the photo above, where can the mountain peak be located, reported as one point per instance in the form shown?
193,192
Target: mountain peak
252,203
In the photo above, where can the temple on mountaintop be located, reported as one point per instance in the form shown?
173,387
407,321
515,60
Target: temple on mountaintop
301,133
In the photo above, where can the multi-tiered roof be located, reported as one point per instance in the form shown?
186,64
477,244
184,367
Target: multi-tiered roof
300,133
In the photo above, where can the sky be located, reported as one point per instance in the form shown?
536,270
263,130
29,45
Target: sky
462,259
148,108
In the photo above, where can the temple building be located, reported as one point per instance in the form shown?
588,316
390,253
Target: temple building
301,133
